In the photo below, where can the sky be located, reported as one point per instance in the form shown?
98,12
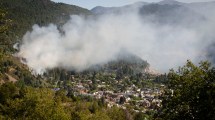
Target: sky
89,4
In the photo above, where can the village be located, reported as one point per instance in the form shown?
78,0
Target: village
139,99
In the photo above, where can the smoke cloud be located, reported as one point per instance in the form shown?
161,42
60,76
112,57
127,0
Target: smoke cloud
86,41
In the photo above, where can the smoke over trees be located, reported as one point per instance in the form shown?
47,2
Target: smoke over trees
96,40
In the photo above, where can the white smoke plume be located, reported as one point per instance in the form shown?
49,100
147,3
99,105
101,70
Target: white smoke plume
85,42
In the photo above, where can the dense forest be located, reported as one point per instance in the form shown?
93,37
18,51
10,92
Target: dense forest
187,93
25,13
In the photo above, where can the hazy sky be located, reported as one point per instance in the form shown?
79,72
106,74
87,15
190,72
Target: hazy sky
92,3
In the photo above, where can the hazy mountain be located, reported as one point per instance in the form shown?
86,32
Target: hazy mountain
203,8
170,14
102,10
166,11
197,6
107,10
170,2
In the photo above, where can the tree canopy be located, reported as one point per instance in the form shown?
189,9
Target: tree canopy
190,93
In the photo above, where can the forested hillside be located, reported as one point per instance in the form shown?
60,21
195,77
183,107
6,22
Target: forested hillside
25,13
161,13
17,17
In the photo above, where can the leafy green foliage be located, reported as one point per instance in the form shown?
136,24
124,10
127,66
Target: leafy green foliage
5,89
43,103
142,116
4,23
30,103
191,93
117,114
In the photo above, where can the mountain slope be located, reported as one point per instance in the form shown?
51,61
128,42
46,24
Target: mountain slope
99,10
203,7
166,11
170,2
26,13
170,14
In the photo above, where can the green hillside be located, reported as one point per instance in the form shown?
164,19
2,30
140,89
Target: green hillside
25,13
17,17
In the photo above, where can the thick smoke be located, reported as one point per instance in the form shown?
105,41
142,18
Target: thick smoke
83,42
